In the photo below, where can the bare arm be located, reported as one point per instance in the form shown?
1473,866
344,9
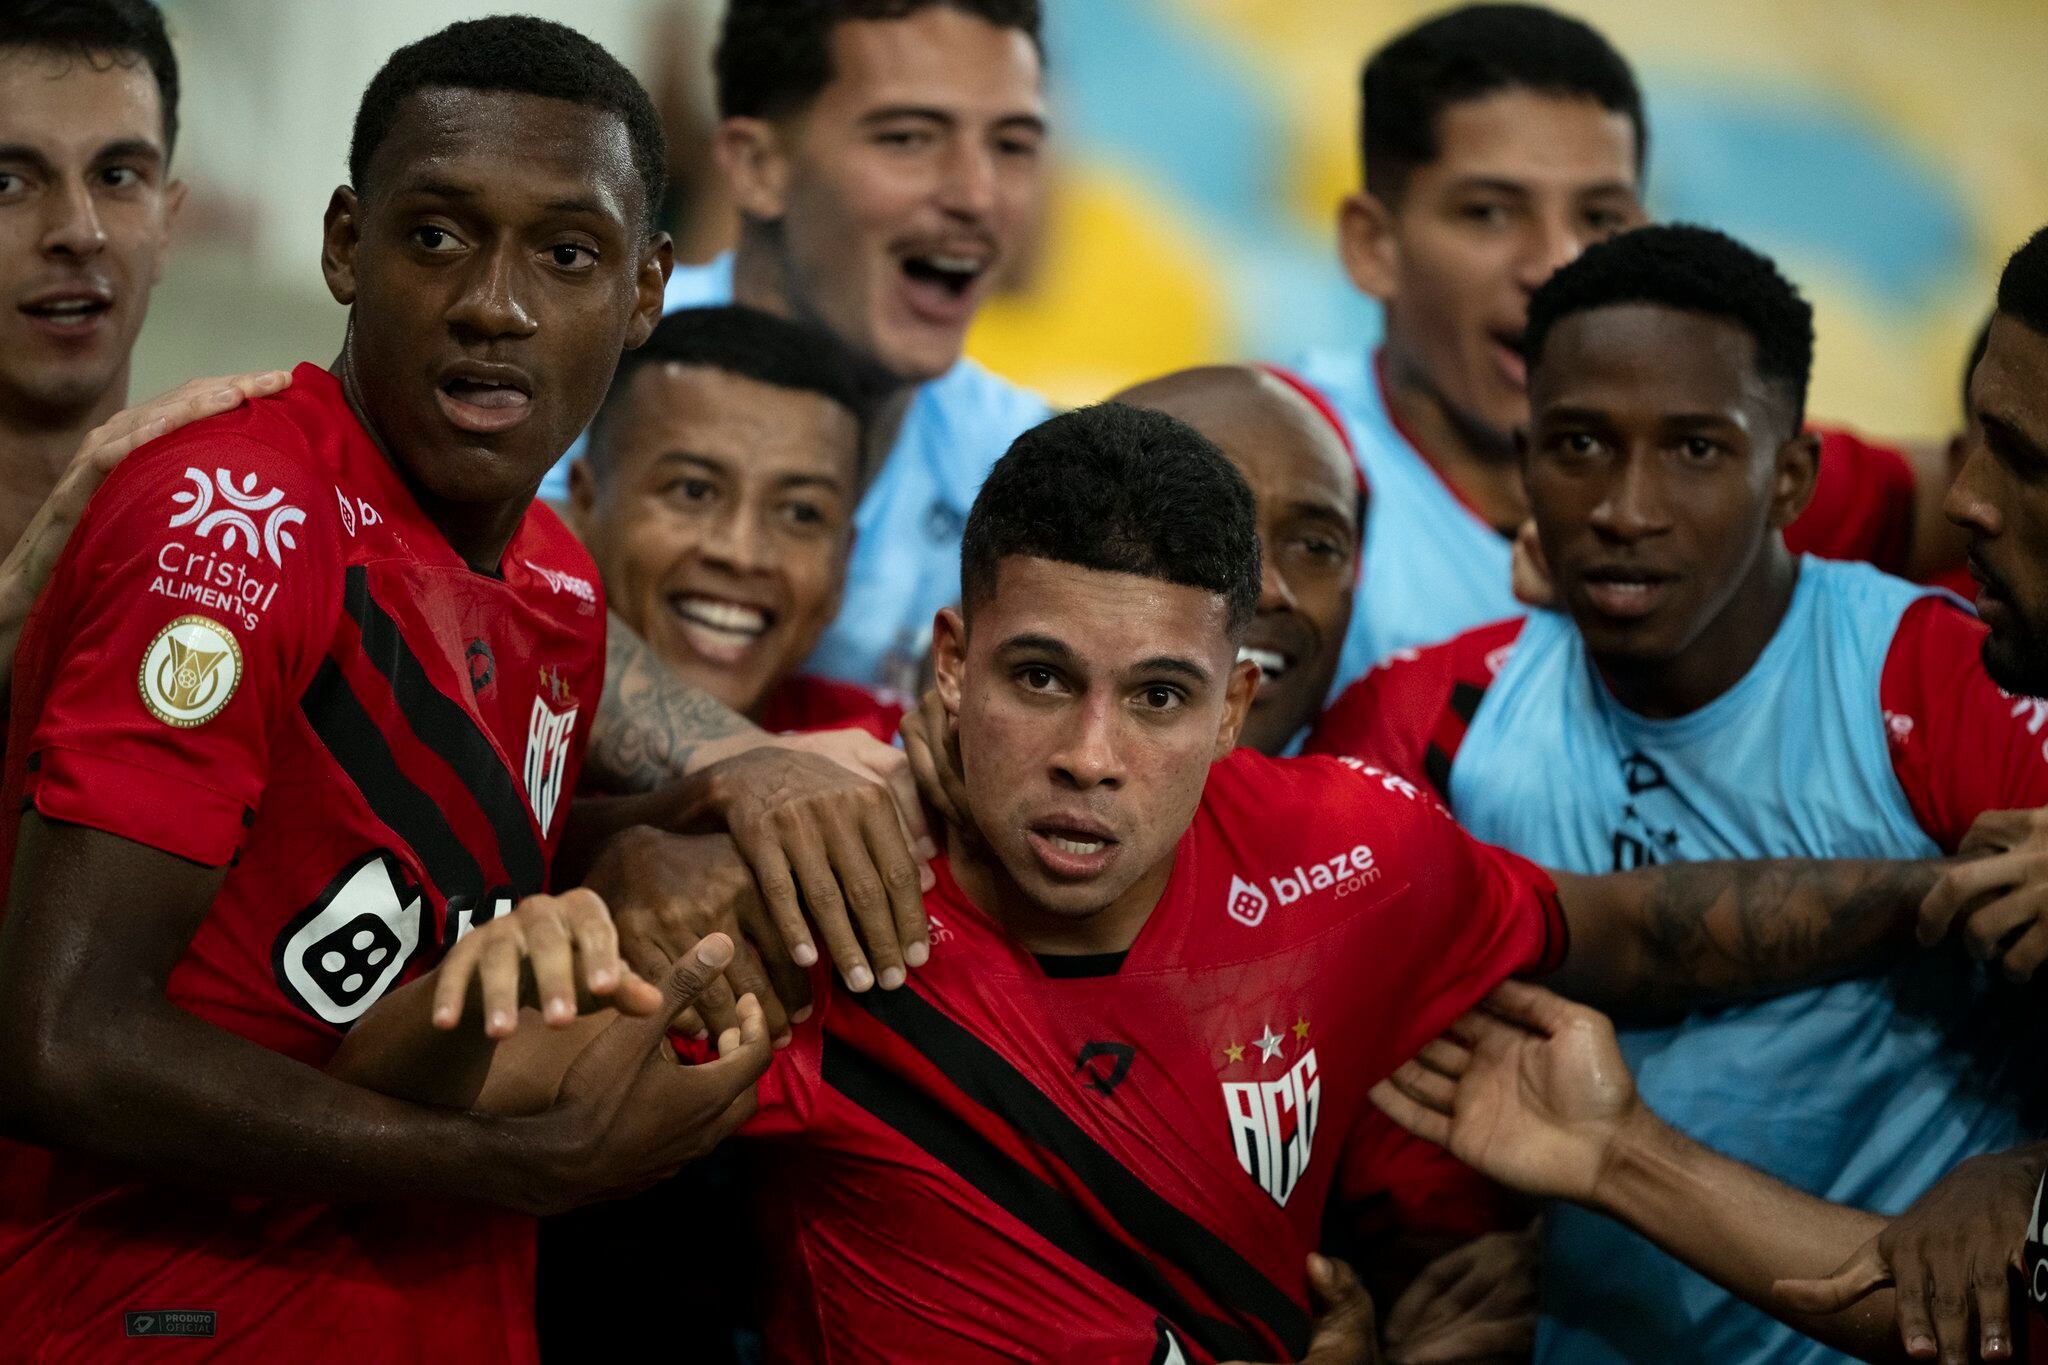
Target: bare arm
651,726
1532,1091
1686,936
94,1058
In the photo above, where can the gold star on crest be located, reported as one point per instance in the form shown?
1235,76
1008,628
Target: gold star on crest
1301,1030
1234,1053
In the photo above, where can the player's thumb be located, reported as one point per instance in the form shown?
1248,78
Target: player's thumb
688,977
1344,1316
1859,1275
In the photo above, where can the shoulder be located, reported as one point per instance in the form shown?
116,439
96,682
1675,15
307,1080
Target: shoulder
1411,689
972,392
1251,792
553,569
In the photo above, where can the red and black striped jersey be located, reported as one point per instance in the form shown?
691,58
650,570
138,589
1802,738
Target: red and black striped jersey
1005,1161
257,651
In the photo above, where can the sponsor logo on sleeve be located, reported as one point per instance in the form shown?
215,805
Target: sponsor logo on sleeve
220,508
189,671
1272,1096
558,582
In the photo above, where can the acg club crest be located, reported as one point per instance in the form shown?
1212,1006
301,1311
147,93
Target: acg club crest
1272,1096
189,671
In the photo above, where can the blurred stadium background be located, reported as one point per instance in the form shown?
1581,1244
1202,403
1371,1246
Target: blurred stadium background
1890,153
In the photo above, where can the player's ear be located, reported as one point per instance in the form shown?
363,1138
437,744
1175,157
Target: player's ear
1237,704
752,155
338,238
1796,471
1366,245
949,657
657,258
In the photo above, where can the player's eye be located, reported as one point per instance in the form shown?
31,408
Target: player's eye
1320,549
692,490
906,139
1576,445
120,177
1699,449
572,256
10,183
1160,697
808,516
1038,678
435,239
1484,213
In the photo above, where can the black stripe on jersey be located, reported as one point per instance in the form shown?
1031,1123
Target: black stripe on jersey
983,1076
1436,766
337,716
1465,699
450,732
953,1143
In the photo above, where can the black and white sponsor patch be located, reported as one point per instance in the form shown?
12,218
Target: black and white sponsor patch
340,954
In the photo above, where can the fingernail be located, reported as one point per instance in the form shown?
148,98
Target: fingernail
602,978
892,977
784,1039
926,878
800,1015
926,849
918,953
715,951
728,1040
444,1017
1317,1266
498,1020
805,955
1919,1343
859,979
701,1034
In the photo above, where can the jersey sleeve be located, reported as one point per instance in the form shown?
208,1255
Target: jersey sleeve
1959,744
1472,914
1409,713
1862,507
184,627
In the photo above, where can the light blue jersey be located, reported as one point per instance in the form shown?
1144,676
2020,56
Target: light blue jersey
1862,1092
906,548
1430,568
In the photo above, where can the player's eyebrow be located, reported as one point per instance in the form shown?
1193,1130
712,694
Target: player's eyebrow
21,154
1030,643
136,148
1173,663
2011,444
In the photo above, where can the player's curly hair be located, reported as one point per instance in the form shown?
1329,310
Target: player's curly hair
1469,53
774,56
2023,287
749,343
1122,490
121,31
1696,270
521,55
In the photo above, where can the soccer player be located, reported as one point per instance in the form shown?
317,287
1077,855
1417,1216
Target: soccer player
717,493
885,158
1108,1118
306,699
1498,142
1295,456
1708,694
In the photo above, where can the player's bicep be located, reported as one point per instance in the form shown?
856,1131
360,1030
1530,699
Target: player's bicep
94,925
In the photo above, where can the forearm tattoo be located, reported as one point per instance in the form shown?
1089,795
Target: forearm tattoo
1714,933
649,721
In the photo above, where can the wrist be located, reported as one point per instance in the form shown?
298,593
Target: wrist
708,752
519,1164
1636,1160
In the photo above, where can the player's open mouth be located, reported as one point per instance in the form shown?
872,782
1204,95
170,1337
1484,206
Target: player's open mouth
1507,354
940,284
1068,847
70,312
1624,593
717,628
1273,665
485,399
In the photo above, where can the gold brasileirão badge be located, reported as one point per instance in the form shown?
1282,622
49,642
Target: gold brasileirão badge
189,671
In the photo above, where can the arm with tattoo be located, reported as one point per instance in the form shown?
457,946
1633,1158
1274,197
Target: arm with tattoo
1686,936
651,726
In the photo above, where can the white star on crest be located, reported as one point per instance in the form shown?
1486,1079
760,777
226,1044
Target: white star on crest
1269,1044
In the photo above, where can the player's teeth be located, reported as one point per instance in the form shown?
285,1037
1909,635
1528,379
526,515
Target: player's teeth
958,265
1082,846
1271,663
724,615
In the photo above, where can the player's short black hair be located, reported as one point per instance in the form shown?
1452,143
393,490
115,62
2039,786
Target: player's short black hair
1978,345
521,55
1472,52
774,56
122,32
2023,288
745,342
1123,490
1697,270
